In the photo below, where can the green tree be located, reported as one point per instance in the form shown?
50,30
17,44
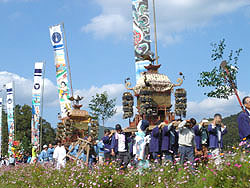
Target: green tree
217,77
5,135
23,115
102,108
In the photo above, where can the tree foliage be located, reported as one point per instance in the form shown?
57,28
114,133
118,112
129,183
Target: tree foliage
102,108
217,79
23,115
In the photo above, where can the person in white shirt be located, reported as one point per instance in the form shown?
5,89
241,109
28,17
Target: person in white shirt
59,156
119,146
186,140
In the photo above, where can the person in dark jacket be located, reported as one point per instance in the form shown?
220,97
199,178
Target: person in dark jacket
216,132
119,146
107,144
201,140
93,157
169,141
155,141
244,120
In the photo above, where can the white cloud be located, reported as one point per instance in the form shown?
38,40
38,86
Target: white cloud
198,109
209,106
106,23
23,89
114,91
173,16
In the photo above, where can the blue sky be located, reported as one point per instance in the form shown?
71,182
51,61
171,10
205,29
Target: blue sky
100,43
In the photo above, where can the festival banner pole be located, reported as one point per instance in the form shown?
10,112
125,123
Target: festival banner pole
41,117
10,115
1,110
36,102
155,33
56,37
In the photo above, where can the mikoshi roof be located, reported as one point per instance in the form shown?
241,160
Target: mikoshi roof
158,82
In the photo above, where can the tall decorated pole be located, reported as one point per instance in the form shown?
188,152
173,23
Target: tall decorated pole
10,114
56,37
141,31
36,102
1,109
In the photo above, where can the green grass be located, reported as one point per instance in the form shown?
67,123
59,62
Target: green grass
233,172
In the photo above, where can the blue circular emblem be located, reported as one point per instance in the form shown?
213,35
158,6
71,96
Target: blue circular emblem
9,101
56,37
36,86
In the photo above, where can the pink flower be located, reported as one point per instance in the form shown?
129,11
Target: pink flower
238,165
203,179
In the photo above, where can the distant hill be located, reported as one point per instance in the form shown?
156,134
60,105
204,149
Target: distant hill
232,136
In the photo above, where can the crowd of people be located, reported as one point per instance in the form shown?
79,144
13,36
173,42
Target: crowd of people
180,140
166,141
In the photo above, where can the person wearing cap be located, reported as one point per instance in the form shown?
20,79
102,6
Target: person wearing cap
201,139
244,120
216,132
119,146
34,154
44,157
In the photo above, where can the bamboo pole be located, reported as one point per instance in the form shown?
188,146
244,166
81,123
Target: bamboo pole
67,56
41,114
224,66
155,34
14,110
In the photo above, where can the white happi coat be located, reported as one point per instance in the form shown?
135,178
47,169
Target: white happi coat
60,157
140,142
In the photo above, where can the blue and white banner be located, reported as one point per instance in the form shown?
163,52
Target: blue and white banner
36,98
56,37
1,109
10,115
61,69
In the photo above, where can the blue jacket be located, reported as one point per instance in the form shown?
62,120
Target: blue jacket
154,144
107,144
44,156
50,153
100,149
74,152
213,137
197,137
114,142
244,124
165,145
